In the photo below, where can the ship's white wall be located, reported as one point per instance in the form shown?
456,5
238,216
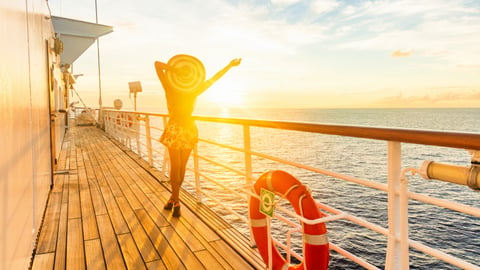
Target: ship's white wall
25,166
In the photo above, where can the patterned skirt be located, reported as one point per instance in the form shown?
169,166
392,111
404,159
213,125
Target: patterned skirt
180,136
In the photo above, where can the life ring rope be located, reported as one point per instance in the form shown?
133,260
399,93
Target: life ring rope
283,196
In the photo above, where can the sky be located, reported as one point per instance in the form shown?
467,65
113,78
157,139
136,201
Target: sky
295,54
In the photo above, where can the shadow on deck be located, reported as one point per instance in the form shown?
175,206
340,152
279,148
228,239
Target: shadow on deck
106,211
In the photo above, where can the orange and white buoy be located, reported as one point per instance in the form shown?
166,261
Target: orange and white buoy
315,241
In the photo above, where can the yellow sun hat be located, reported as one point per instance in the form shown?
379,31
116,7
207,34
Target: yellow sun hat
185,72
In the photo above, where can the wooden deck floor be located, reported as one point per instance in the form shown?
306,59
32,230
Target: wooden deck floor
106,212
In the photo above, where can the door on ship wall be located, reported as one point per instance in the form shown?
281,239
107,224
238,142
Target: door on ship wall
51,106
58,100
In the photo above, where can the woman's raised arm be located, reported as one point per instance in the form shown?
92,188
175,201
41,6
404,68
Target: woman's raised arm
235,62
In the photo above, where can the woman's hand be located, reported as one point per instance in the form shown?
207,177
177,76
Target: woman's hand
235,62
160,66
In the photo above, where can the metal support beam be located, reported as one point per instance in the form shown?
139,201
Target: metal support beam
397,246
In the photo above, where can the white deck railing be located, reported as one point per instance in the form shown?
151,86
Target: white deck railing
141,131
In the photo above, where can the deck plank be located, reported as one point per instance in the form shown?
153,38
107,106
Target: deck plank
61,249
169,257
94,251
186,234
187,257
142,240
119,224
47,241
156,265
234,259
75,247
210,261
136,195
97,199
132,256
111,249
90,230
106,212
44,261
73,197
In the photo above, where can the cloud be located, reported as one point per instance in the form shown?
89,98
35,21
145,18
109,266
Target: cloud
284,2
448,97
469,66
301,45
471,95
324,6
432,26
401,53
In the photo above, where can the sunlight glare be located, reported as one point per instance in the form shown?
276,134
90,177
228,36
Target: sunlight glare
227,99
226,94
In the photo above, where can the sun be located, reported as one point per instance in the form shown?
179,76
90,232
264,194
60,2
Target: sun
227,99
226,94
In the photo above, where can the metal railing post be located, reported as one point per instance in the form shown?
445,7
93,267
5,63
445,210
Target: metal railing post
248,170
166,157
136,129
197,175
149,140
104,116
397,246
247,153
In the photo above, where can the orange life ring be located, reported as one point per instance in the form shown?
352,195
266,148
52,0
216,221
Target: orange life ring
129,121
315,242
119,119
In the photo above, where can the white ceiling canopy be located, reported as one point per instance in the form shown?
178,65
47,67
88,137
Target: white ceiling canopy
77,36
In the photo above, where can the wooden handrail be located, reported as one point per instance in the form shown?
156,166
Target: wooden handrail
426,137
460,140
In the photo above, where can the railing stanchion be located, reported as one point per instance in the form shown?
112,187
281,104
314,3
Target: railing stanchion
136,128
149,140
197,175
248,154
166,158
248,169
104,116
397,246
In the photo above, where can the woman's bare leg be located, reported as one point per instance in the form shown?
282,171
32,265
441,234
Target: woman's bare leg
184,156
178,163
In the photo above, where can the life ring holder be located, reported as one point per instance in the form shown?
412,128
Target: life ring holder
315,242
127,121
119,119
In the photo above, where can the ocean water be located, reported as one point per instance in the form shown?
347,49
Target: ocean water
454,233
